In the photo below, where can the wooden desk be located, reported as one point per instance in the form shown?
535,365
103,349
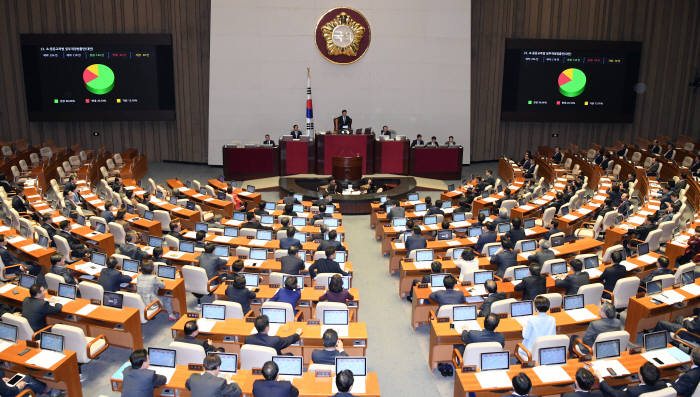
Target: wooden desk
252,199
223,207
644,314
41,256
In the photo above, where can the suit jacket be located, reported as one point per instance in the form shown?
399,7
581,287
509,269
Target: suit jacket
325,265
657,272
516,235
211,264
133,251
447,297
557,157
111,278
396,212
327,357
486,305
434,210
209,385
339,122
287,242
624,207
573,282
275,342
295,134
602,325
140,382
35,311
19,204
686,384
241,296
65,273
610,276
541,256
273,388
8,258
270,142
108,216
291,264
630,391
653,170
201,342
581,393
330,243
532,286
416,142
485,238
254,224
415,242
483,336
504,260
72,241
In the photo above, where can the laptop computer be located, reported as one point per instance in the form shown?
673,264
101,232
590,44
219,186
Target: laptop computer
298,208
155,242
201,226
503,228
475,231
98,258
221,251
213,312
688,277
430,220
257,257
289,367
424,255
450,187
338,320
331,222
130,267
528,223
485,212
43,241
521,272
654,287
270,206
231,231
421,207
298,221
51,341
186,246
250,189
276,316
330,209
573,302
341,256
251,280
100,227
229,365
464,318
444,235
437,281
165,271
162,361
300,280
495,361
552,355
607,349
459,217
655,341
346,281
521,309
189,205
148,215
358,367
8,333
559,269
413,197
239,216
493,249
113,299
590,262
528,246
264,235
267,219
457,253
642,249
482,276
67,291
557,241
26,280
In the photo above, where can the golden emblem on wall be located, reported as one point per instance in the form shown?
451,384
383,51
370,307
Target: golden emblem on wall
342,35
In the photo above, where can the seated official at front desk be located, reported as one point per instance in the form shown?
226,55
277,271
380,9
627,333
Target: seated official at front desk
268,141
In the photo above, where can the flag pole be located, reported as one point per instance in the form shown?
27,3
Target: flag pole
309,106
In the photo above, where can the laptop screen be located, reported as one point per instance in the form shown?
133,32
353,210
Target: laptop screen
44,241
298,208
557,241
413,197
521,272
213,312
518,309
221,250
8,332
330,222
251,280
113,299
221,195
529,245
186,246
100,227
202,191
231,231
98,258
190,205
398,222
300,281
289,365
130,265
559,268
573,302
485,212
229,362
66,290
298,221
654,287
424,255
444,235
250,188
493,249
155,242
503,227
50,341
330,209
482,277
564,210
494,361
382,199
688,277
238,216
201,226
457,252
340,256
553,355
475,231
430,220
161,357
458,217
270,206
610,348
165,271
420,207
298,197
81,219
655,340
463,313
264,235
643,249
335,317
437,280
356,365
451,187
258,254
590,262
148,215
275,315
267,219
130,208
529,223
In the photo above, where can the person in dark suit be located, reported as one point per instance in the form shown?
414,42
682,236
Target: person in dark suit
653,168
505,258
493,296
433,142
326,265
291,263
489,179
572,282
252,223
46,224
416,241
269,386
516,233
209,383
608,322
262,325
583,382
295,132
268,141
385,131
449,296
613,273
290,241
110,277
64,232
557,157
625,205
210,262
436,209
655,147
669,152
488,236
521,385
191,331
175,230
138,380
686,384
534,284
661,269
35,308
487,335
343,122
642,231
332,348
615,195
58,266
237,292
19,203
28,383
130,248
543,255
331,242
418,141
344,381
8,258
107,214
648,375
692,324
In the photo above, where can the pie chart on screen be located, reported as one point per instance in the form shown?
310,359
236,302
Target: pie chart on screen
98,78
572,82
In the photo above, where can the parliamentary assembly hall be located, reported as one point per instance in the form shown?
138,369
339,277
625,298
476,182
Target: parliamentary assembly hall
395,198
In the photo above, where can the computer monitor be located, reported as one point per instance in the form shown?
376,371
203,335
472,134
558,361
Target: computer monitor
221,195
521,272
159,194
98,258
438,280
331,222
267,219
523,308
130,208
553,355
557,241
275,315
483,276
429,220
573,302
590,262
493,249
161,357
26,280
459,217
450,187
298,221
130,265
503,227
495,361
100,227
485,212
299,197
189,205
341,256
654,287
475,231
264,235
420,207
336,317
398,222
188,184
300,280
446,204
155,242
201,226
356,365
148,215
330,209
289,365
607,349
559,268
564,210
457,252
463,313
43,241
529,223
413,197
8,332
655,340
80,220
51,341
229,362
251,279
186,246
346,281
444,235
642,249
239,216
298,207
258,254
231,231
165,271
424,255
528,245
203,191
270,206
250,189
688,277
221,250
213,312
66,290
388,208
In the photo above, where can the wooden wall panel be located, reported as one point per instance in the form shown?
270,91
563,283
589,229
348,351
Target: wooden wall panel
669,30
187,20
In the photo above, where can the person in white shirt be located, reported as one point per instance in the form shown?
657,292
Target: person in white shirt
468,263
540,324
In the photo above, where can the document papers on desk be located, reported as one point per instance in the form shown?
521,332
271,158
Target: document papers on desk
477,290
89,268
422,265
452,243
494,380
400,246
274,327
669,297
460,224
570,217
581,314
31,247
174,254
593,272
223,239
629,265
87,309
205,324
46,359
666,356
692,289
526,207
522,320
7,287
603,365
471,325
551,373
5,344
5,228
257,243
165,371
648,259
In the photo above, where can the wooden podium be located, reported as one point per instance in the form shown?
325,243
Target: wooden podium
347,169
